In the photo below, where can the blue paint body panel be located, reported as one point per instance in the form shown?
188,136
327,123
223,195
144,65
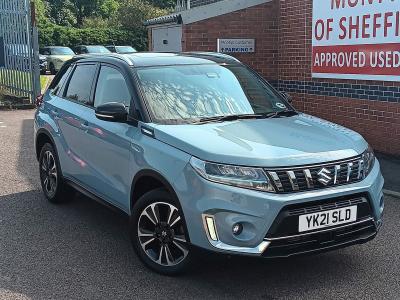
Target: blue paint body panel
105,158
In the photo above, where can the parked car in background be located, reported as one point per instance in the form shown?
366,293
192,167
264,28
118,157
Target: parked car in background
121,49
42,64
95,49
56,57
18,55
199,150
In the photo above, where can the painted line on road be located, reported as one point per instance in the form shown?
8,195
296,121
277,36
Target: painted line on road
392,193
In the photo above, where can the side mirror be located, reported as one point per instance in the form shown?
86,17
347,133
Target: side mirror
287,97
113,112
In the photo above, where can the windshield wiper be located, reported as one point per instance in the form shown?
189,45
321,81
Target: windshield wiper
229,118
281,113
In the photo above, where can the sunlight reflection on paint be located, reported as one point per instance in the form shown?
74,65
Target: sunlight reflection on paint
81,163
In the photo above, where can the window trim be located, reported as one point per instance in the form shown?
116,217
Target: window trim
66,84
62,87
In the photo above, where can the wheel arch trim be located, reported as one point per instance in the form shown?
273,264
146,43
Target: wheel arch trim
43,131
155,175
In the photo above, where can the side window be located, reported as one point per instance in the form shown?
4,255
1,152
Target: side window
80,84
111,87
60,81
44,51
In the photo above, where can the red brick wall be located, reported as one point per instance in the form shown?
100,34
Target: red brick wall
283,33
259,22
377,121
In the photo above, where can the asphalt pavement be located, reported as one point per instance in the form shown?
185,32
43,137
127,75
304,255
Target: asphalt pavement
81,250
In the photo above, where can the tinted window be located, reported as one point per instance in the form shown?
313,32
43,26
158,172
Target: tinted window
125,49
81,83
96,49
62,51
111,87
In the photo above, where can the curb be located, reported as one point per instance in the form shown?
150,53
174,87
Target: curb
392,193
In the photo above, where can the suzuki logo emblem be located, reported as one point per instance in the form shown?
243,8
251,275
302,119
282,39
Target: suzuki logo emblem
323,176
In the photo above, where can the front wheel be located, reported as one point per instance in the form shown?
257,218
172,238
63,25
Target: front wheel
158,233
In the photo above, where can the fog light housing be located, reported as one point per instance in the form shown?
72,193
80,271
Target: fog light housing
237,229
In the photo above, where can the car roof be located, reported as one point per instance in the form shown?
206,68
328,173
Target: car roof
152,59
56,47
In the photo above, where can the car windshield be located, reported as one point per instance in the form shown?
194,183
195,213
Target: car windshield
189,93
125,49
62,51
97,49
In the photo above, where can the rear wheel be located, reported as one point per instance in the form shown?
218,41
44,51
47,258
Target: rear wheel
158,233
53,186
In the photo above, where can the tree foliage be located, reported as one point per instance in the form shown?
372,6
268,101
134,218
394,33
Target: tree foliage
73,22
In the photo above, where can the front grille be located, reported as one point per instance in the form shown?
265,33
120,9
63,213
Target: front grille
286,240
304,178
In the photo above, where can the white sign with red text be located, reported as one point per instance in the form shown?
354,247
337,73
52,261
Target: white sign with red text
356,39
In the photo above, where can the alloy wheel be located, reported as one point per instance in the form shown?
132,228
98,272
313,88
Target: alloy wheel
161,234
48,170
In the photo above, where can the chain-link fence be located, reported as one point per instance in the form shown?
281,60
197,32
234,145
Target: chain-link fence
19,53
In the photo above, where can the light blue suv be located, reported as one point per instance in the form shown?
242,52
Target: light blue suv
201,152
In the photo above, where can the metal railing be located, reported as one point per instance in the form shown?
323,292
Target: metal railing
182,5
19,53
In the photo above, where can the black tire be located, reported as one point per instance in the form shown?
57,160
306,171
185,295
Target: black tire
43,72
176,234
52,69
53,186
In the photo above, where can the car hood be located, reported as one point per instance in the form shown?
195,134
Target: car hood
62,57
286,141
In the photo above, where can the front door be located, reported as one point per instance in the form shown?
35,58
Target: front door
109,144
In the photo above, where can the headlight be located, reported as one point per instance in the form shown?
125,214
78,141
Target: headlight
369,159
244,177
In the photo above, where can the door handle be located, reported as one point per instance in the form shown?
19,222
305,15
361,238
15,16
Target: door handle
55,113
85,126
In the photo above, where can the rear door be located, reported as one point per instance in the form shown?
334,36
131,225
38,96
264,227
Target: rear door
72,110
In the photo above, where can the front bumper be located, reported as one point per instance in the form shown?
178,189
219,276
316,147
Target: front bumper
258,211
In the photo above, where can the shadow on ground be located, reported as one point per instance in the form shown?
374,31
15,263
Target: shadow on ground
27,163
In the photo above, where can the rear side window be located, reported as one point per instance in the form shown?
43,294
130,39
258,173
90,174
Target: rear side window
60,81
111,87
80,84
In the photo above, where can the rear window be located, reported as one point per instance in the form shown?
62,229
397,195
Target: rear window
80,84
62,51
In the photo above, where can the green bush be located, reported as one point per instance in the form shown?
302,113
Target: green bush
51,35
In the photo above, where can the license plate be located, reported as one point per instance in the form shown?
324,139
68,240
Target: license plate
327,218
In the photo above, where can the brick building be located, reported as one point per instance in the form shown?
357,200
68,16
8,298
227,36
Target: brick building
283,31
